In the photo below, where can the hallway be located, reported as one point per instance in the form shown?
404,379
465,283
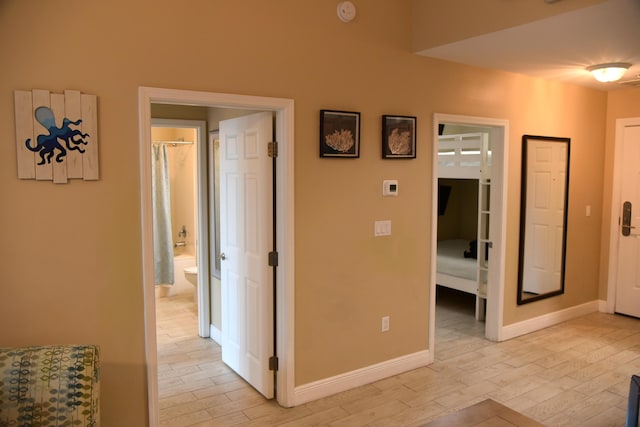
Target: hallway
576,373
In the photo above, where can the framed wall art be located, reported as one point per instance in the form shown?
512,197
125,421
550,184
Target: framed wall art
339,134
398,137
56,135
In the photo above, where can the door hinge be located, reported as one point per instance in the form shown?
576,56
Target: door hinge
273,363
273,149
273,259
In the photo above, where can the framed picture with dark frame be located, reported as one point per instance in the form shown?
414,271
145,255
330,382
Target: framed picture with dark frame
398,137
339,134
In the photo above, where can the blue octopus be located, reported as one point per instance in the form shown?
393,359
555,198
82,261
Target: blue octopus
46,144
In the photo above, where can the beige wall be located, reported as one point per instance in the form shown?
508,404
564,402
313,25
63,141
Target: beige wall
72,253
582,121
182,112
459,221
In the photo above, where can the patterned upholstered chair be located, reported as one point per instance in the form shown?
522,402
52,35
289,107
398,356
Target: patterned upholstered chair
56,385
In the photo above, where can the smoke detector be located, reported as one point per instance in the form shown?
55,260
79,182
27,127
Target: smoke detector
346,11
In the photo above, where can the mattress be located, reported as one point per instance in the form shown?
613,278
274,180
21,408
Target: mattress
451,260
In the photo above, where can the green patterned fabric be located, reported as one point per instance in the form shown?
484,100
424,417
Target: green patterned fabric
56,385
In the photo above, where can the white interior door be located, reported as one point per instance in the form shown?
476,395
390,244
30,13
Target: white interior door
546,163
246,238
628,274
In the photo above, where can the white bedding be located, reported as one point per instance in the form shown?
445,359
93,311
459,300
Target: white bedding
451,260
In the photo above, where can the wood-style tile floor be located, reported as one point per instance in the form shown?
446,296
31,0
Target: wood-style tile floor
573,374
487,413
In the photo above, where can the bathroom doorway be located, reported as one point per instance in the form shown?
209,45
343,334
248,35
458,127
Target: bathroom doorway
180,204
283,305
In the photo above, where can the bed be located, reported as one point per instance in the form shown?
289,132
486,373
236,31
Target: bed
453,269
465,156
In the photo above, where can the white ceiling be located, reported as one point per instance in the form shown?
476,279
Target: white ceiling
560,47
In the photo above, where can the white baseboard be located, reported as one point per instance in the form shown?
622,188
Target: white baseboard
336,384
546,320
215,334
339,383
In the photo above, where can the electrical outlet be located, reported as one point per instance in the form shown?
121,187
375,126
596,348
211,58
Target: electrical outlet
385,323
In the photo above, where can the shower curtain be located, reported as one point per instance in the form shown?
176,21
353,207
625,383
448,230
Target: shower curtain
162,235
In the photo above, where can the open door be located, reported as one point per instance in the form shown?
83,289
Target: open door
246,238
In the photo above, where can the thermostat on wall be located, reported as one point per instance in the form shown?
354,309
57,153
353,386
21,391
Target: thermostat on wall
390,187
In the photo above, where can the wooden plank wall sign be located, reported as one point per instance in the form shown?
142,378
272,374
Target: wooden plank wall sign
56,135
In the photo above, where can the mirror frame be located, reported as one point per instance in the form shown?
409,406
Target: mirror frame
527,140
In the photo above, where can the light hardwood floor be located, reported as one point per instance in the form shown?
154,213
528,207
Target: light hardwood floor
575,373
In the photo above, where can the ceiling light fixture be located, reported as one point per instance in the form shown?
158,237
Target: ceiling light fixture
610,72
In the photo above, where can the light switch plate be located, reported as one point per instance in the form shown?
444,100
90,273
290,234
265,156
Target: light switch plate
382,228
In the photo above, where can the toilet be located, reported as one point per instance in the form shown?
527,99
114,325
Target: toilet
191,274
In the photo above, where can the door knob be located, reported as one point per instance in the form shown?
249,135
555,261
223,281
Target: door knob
223,256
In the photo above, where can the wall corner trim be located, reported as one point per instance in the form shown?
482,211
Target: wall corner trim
549,319
215,334
604,307
336,384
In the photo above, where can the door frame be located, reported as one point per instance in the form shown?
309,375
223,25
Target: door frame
284,200
202,218
616,188
498,137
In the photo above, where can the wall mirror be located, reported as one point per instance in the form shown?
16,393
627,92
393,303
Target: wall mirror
543,217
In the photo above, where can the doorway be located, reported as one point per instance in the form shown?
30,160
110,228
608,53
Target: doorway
187,141
283,110
494,224
623,294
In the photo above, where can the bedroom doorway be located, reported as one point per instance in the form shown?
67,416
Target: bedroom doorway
479,176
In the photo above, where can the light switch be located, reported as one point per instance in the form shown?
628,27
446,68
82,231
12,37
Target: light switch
382,228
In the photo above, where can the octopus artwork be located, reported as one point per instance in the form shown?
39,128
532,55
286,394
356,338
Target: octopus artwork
47,144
